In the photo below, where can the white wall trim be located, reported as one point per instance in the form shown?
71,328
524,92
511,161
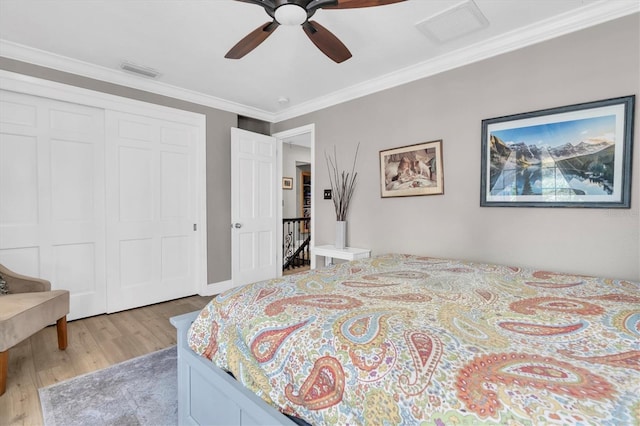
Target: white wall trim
43,58
594,13
212,289
15,82
280,137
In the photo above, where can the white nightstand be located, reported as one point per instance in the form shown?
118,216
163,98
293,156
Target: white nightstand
348,253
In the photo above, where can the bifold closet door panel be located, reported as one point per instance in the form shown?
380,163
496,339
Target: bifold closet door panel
151,210
52,197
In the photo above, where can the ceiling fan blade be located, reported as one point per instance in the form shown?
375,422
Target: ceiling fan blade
326,41
352,4
252,40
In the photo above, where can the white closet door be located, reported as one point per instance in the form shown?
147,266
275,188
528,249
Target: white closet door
52,196
151,240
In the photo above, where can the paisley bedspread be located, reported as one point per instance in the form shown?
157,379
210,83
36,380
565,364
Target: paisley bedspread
399,339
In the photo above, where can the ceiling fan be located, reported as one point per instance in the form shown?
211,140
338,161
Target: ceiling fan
298,12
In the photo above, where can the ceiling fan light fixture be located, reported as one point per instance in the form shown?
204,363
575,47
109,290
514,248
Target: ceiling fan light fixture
290,14
299,13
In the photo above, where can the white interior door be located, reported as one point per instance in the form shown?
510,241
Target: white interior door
52,196
152,244
253,207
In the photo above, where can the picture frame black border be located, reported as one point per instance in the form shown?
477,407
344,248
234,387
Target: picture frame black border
627,154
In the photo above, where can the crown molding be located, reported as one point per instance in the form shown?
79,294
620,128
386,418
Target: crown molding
593,14
46,59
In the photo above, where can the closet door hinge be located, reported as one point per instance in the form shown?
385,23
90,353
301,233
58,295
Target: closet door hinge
195,227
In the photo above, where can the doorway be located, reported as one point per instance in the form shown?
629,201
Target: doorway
296,148
296,206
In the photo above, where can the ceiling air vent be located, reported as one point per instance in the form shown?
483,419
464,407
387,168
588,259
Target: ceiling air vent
139,70
452,23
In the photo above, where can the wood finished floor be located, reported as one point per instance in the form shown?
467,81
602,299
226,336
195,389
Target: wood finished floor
296,270
94,343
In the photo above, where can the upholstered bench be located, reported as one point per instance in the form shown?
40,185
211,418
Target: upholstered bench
29,306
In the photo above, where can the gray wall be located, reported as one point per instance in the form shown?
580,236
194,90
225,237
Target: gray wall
254,125
597,63
219,124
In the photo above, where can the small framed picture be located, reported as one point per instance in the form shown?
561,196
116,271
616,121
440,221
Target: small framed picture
570,156
287,183
412,170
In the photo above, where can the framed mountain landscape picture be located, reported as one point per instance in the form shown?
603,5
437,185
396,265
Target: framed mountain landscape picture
572,156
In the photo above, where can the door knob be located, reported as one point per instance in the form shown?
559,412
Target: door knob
236,225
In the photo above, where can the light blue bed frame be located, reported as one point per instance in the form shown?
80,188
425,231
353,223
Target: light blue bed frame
209,396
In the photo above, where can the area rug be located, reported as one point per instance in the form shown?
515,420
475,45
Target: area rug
140,391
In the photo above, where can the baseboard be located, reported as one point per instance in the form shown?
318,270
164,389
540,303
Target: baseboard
216,288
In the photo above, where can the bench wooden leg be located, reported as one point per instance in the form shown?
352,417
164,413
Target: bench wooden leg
61,327
4,370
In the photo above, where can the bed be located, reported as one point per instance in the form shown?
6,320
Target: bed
401,339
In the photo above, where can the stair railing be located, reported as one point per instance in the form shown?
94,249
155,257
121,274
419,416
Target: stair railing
296,239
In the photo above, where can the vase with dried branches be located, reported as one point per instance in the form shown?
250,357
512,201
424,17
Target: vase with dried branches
342,185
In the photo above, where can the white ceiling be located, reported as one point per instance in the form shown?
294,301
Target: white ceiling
186,40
